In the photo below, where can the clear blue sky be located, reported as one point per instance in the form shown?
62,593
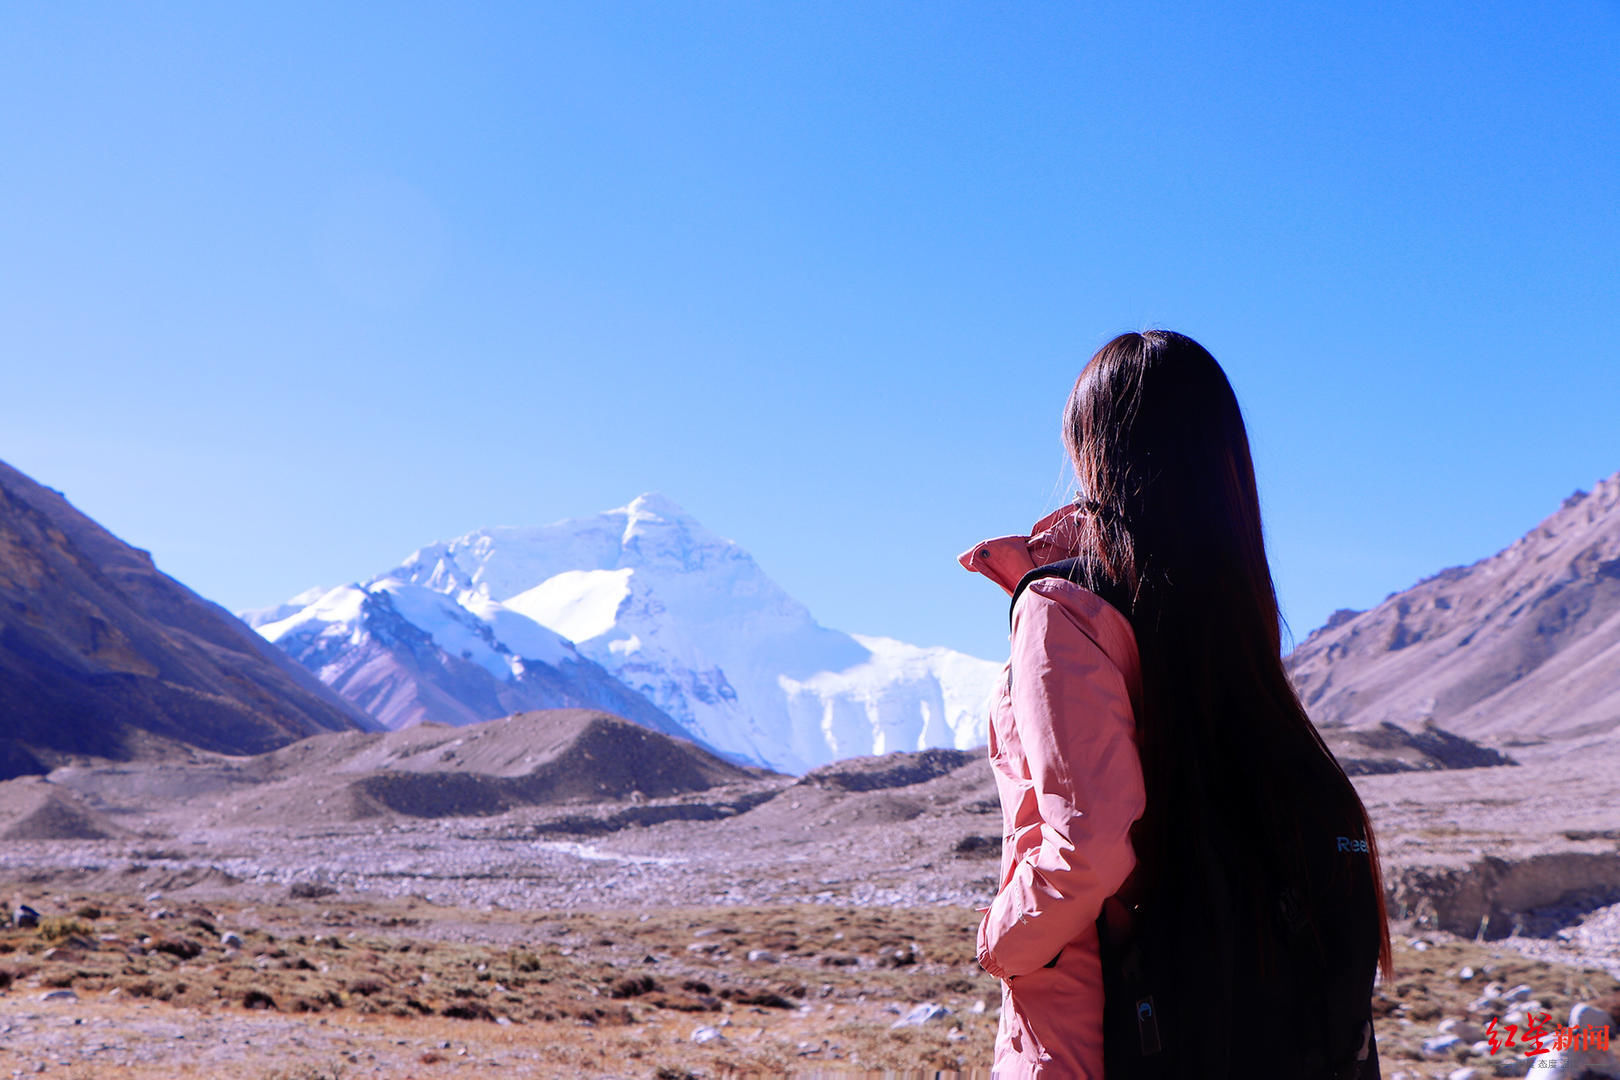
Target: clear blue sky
288,293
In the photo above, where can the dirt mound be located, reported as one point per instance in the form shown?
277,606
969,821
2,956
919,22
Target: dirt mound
434,794
35,809
1391,748
513,746
552,756
902,768
434,770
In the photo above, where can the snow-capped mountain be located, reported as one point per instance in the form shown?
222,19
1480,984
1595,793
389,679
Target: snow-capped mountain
682,617
407,654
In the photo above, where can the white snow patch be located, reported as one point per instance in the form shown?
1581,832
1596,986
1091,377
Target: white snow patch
334,606
586,851
452,627
578,604
518,632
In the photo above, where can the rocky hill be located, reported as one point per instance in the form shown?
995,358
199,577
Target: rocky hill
1519,649
562,758
103,654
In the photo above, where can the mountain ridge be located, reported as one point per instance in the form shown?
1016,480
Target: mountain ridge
103,654
1518,648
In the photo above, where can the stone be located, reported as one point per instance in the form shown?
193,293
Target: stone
1465,975
919,1015
230,940
1466,1030
1440,1045
761,956
64,996
1521,992
707,1034
1584,1014
25,916
1467,1072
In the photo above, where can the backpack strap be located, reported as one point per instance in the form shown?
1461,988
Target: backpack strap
1068,569
1073,570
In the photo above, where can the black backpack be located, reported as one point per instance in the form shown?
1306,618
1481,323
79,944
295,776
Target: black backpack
1331,1036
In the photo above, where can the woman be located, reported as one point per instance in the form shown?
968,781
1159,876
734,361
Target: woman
1148,737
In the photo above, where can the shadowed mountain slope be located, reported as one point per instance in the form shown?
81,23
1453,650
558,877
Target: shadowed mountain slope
99,650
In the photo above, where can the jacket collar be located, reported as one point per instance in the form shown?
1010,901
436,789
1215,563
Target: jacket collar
1006,559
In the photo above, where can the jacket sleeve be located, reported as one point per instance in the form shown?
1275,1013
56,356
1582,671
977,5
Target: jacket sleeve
1072,711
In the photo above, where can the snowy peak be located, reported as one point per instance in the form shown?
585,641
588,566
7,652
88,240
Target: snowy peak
407,653
686,620
653,508
473,627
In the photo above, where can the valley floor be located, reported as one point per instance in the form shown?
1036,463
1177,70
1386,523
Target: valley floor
210,927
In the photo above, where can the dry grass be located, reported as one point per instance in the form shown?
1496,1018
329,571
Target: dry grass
409,988
322,991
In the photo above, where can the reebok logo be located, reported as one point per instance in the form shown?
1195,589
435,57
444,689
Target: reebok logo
1347,844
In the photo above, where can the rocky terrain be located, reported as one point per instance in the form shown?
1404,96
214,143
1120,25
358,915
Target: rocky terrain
549,896
172,985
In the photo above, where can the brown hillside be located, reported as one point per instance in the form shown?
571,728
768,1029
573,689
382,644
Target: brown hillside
97,645
1517,649
430,770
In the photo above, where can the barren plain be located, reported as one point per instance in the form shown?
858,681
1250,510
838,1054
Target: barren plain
290,916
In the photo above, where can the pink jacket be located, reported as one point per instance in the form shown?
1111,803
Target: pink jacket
1063,749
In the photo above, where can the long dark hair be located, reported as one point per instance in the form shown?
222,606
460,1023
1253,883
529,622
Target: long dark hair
1237,776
